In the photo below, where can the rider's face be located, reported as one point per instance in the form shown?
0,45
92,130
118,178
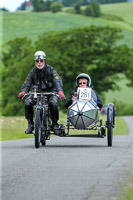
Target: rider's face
82,82
40,63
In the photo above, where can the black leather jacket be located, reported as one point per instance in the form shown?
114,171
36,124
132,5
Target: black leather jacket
69,99
46,79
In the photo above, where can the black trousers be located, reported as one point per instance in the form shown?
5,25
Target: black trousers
53,104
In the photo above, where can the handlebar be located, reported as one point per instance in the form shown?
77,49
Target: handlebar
41,93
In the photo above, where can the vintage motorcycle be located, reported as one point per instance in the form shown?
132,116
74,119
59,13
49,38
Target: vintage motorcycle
82,115
43,123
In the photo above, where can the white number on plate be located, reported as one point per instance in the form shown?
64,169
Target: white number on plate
84,93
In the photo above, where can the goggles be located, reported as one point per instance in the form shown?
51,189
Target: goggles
39,60
39,57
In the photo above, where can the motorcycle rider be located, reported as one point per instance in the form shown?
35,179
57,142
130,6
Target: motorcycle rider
82,80
47,80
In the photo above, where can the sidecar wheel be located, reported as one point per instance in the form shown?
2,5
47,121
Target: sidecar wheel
110,134
110,123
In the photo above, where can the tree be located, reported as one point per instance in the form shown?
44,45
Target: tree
39,5
47,5
56,7
110,1
4,9
89,11
96,8
17,64
68,3
92,50
77,7
22,6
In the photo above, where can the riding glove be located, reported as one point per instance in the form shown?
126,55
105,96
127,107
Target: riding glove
62,96
21,94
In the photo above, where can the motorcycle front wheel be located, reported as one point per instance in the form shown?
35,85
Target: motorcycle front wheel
38,128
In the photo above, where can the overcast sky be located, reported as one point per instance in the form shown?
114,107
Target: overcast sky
11,5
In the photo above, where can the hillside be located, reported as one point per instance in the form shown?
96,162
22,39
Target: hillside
123,10
31,25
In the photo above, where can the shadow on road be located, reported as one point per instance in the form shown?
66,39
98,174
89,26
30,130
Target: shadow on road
53,146
74,146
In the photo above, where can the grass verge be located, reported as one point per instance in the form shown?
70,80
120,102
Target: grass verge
13,128
127,189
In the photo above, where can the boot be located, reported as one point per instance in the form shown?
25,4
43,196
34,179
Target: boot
30,127
55,128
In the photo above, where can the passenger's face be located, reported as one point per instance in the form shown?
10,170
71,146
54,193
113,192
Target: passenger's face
40,63
82,82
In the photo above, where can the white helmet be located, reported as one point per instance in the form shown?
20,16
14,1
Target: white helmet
86,76
39,55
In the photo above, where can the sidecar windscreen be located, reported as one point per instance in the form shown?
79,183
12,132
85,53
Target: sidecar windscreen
82,114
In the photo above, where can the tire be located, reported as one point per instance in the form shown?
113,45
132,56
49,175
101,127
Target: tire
110,134
46,132
38,129
110,123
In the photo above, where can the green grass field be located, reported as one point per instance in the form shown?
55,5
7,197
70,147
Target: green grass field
31,24
13,128
123,10
125,94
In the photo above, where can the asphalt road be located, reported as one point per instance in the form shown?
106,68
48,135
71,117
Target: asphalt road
67,168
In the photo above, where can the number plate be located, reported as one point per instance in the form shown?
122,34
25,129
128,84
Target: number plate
84,94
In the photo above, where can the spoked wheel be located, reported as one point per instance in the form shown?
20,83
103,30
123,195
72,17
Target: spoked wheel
110,123
46,131
110,134
38,129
